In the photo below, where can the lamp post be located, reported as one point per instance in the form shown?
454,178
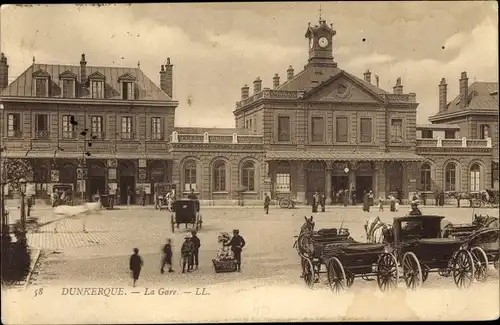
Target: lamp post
346,171
22,190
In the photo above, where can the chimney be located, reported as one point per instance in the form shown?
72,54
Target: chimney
377,81
169,82
464,90
83,71
4,72
443,95
368,76
289,73
257,85
398,89
276,81
245,90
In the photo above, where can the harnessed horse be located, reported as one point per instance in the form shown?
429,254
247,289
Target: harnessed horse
485,221
461,196
376,230
306,230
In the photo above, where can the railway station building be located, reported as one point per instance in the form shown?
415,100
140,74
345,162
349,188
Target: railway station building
321,128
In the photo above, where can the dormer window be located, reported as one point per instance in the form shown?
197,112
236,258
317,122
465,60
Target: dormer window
41,83
96,83
127,86
68,84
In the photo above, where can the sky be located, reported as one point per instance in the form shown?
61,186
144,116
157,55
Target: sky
216,48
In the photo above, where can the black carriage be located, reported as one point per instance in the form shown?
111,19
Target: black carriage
486,199
64,194
187,212
420,249
287,203
484,246
160,190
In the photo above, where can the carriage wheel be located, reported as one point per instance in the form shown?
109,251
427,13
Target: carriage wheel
412,271
336,276
387,272
349,278
463,269
308,272
476,203
480,264
200,221
172,222
495,264
284,203
425,272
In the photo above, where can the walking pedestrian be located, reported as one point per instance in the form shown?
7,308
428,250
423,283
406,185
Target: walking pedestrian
366,202
167,257
346,197
237,243
353,196
315,202
267,201
322,201
186,253
196,248
136,264
111,197
129,196
142,194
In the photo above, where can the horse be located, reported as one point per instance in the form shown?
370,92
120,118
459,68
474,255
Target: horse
376,230
485,221
461,196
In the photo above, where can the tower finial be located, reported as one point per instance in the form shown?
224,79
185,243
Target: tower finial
138,64
320,13
33,60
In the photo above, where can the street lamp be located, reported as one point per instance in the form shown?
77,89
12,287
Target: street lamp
346,171
22,190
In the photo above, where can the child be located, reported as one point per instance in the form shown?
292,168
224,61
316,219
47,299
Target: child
167,257
381,204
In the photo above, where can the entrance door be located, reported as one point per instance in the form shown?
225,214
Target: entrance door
94,184
363,183
125,183
315,179
340,182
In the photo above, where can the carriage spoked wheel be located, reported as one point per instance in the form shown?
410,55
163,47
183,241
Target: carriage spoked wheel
425,272
463,269
349,278
308,272
387,272
476,203
480,264
412,272
336,276
284,203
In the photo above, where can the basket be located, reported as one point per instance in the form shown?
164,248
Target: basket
221,266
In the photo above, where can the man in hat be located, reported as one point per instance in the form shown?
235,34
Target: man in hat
196,247
136,265
167,257
267,201
237,243
187,253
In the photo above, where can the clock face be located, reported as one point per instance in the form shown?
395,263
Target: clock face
323,42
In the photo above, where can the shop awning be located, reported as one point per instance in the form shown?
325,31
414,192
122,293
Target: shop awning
342,155
76,155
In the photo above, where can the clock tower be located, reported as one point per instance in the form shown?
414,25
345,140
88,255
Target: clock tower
320,44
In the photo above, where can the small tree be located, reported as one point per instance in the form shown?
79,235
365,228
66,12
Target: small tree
13,170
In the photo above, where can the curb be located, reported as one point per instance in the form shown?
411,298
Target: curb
28,278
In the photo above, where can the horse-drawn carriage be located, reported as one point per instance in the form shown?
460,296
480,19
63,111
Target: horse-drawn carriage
163,196
485,199
187,212
62,194
287,203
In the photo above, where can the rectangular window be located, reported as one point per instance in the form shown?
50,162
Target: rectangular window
341,129
41,87
485,132
127,90
427,134
156,129
97,89
397,131
366,130
42,126
127,127
318,129
284,128
97,127
474,180
68,88
449,134
14,125
282,183
68,129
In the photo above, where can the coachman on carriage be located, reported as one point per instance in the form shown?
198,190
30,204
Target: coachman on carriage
187,212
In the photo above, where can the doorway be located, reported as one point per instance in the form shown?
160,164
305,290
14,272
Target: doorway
125,183
315,179
94,184
363,183
340,182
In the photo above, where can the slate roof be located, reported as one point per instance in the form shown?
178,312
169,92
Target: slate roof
440,126
145,89
340,155
482,95
312,76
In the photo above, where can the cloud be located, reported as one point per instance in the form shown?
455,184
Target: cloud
455,41
371,59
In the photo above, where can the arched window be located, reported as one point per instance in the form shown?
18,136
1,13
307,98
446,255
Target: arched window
450,175
474,178
425,178
283,181
219,176
190,176
248,173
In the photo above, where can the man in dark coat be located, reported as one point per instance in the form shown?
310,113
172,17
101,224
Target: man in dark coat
415,211
196,248
167,257
441,198
187,254
366,202
267,201
353,196
346,197
192,196
322,201
436,197
136,265
315,202
237,243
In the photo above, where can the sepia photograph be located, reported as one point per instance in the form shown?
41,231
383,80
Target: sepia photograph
223,162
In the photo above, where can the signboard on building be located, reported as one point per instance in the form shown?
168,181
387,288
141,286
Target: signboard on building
112,173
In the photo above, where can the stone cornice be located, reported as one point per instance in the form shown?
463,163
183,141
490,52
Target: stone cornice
88,101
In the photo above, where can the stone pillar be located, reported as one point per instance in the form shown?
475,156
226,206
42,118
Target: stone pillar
300,185
380,185
176,175
328,190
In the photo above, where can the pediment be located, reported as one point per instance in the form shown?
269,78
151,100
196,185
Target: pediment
126,77
344,89
67,75
97,75
41,74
